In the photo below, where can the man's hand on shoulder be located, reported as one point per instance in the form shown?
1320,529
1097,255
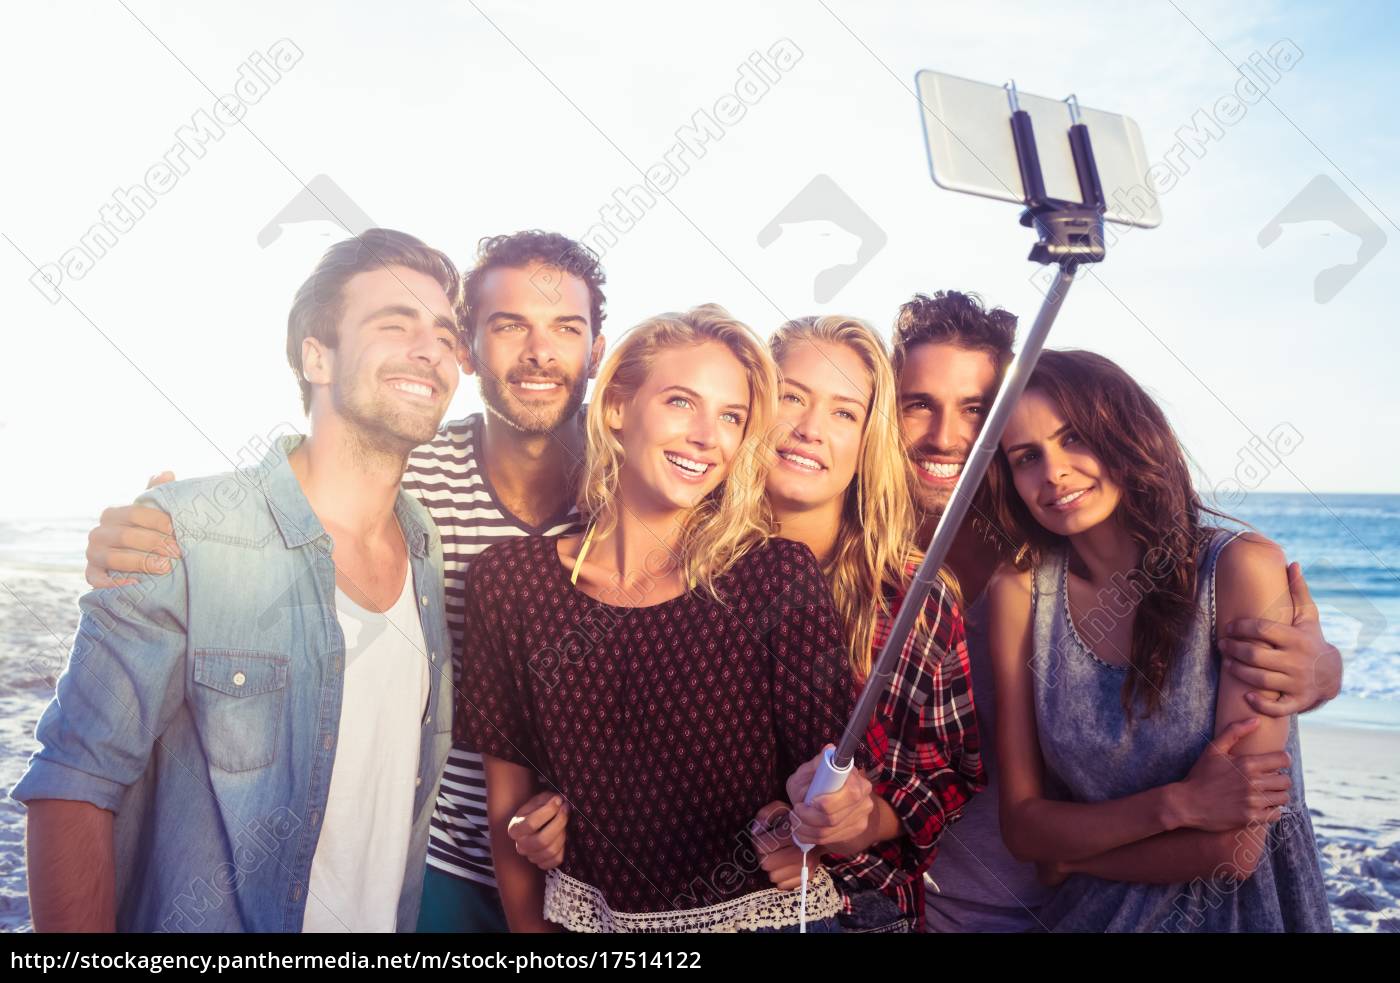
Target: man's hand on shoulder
131,539
1292,660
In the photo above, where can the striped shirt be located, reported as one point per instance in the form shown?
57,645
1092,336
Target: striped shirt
446,476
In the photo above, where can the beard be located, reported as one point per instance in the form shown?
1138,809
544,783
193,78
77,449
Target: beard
932,501
382,423
495,393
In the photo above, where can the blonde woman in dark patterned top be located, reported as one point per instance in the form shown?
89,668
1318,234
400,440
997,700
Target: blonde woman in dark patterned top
669,670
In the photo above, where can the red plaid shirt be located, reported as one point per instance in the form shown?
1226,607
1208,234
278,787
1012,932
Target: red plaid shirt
924,743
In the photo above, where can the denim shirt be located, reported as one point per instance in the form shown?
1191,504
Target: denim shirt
202,708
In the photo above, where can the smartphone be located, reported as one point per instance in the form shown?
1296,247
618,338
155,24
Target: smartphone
967,130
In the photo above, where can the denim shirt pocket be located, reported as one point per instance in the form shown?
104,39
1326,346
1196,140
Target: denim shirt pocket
239,698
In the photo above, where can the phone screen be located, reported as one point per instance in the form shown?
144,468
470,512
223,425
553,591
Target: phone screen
967,129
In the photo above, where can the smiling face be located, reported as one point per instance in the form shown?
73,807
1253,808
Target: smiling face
944,393
1062,482
393,370
533,346
681,431
823,402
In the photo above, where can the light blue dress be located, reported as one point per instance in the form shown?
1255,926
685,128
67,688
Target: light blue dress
1093,753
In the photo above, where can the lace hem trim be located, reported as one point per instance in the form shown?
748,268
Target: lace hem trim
580,907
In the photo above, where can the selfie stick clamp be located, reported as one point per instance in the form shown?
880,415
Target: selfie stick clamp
1070,233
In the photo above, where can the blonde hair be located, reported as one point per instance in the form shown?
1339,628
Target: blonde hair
734,517
875,543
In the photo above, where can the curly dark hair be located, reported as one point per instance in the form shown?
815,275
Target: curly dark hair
520,249
1129,434
954,318
317,307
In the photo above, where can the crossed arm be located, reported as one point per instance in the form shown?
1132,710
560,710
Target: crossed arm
1211,823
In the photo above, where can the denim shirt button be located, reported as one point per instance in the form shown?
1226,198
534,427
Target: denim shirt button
428,721
239,679
326,742
296,892
424,599
418,781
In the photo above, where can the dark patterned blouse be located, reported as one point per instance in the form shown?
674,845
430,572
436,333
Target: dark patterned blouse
665,727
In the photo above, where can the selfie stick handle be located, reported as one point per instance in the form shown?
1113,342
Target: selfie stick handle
1070,233
829,778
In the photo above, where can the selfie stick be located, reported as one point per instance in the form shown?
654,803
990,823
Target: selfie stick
1070,233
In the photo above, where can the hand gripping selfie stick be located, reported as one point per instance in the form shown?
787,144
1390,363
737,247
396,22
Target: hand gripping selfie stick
1070,233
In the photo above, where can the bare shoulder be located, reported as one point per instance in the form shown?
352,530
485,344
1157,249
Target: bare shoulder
1251,555
1009,586
1009,610
1009,605
1252,575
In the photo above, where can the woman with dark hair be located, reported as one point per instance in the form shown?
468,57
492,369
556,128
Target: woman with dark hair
1133,770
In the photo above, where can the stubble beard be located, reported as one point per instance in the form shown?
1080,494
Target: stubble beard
379,427
530,422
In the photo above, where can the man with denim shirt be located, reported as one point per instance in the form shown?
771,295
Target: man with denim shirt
530,311
255,743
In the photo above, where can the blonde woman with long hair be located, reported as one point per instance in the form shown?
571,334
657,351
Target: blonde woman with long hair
842,484
669,670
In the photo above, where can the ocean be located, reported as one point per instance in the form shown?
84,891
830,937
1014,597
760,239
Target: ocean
1349,549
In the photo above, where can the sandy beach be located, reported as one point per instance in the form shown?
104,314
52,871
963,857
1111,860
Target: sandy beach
1354,796
1353,788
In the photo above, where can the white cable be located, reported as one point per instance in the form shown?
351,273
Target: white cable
802,913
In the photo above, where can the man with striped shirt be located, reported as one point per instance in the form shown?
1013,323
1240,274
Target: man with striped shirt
530,313
447,476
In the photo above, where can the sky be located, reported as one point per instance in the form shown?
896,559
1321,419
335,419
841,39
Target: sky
459,120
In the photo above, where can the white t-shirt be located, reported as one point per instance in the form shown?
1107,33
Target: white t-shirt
361,855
